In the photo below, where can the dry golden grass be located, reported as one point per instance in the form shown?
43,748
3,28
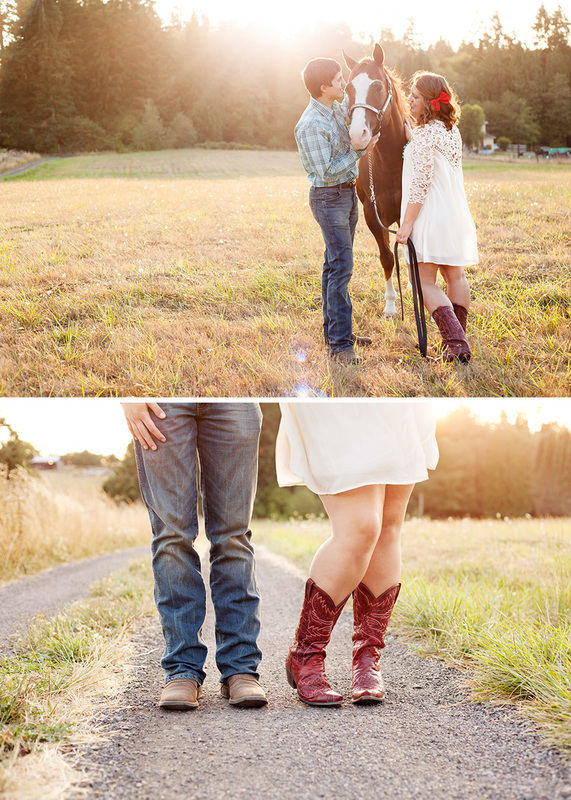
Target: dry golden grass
201,277
43,775
60,517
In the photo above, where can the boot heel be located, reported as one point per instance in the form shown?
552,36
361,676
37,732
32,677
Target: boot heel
291,679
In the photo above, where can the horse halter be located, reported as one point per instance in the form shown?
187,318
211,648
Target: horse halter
378,111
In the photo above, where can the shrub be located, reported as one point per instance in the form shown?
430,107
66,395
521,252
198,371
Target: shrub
149,134
182,132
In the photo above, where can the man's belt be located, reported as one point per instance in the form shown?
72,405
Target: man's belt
346,185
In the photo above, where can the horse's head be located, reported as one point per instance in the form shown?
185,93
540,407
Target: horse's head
369,91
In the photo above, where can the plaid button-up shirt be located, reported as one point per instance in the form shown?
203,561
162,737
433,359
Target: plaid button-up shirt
324,145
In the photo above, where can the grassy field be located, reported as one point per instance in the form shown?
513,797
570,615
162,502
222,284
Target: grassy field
62,516
197,273
490,596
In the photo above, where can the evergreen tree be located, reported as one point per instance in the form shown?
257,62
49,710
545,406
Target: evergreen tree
542,27
35,99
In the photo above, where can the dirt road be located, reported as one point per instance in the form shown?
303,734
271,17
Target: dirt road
427,740
54,589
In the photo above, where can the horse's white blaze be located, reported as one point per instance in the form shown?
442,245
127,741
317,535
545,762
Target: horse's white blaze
359,133
390,297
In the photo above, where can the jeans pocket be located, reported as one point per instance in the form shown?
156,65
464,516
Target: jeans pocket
328,195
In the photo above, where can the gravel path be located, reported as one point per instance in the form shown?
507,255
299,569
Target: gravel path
54,589
24,167
425,741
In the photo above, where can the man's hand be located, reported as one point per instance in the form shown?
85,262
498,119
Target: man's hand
141,424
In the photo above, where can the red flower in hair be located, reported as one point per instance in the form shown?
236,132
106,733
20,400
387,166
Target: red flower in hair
443,97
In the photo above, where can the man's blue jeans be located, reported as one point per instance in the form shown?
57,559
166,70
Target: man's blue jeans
336,210
224,438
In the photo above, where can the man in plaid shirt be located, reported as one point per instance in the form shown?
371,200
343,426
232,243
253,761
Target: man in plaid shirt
331,165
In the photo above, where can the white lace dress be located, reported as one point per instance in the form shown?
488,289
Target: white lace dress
444,231
333,446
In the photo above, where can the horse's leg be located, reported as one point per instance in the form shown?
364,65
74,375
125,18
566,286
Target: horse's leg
386,258
390,293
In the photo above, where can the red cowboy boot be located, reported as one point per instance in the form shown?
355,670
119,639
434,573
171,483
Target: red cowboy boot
453,337
370,619
305,662
461,315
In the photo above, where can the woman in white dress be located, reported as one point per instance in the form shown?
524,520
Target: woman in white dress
362,459
435,212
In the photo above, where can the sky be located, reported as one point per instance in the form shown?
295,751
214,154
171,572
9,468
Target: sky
448,19
56,426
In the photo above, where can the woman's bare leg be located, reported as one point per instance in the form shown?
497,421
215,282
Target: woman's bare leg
356,521
434,296
384,568
457,287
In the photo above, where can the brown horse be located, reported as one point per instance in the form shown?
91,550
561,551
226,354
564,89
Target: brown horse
377,104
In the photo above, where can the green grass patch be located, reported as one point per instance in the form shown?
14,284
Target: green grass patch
193,163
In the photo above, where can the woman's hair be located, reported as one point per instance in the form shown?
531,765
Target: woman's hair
319,72
430,86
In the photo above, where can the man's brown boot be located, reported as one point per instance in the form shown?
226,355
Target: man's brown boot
180,694
345,357
243,690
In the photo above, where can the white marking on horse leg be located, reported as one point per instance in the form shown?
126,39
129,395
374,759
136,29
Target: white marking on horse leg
390,297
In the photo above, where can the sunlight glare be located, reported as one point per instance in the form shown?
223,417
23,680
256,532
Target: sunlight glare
446,20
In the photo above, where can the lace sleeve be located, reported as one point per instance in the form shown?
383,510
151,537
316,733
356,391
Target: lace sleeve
422,147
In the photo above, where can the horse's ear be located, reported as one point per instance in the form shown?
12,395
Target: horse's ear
351,63
379,55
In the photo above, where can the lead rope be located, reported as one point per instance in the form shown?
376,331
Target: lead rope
417,296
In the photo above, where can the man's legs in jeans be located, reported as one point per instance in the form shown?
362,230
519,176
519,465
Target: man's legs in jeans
336,210
228,436
168,485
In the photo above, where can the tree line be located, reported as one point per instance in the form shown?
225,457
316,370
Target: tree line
109,74
485,470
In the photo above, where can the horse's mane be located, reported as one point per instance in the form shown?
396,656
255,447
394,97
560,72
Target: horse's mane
398,92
